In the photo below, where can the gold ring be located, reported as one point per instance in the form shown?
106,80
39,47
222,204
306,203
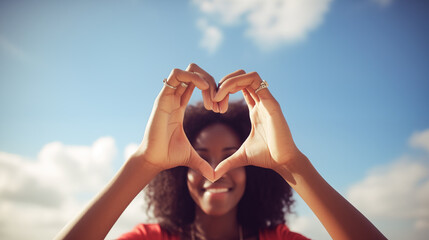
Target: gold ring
263,85
168,85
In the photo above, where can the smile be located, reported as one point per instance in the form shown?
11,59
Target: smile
217,190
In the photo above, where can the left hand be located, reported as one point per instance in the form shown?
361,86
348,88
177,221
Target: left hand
270,143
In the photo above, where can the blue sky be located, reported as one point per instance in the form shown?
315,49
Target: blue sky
352,76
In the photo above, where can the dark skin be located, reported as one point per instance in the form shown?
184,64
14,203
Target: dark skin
269,145
216,213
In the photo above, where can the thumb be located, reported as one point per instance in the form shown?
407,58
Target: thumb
238,159
201,166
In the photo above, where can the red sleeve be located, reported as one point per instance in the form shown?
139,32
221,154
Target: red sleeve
281,232
147,231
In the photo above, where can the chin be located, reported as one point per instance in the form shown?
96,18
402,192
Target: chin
216,211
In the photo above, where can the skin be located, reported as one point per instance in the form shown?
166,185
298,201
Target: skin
269,145
216,212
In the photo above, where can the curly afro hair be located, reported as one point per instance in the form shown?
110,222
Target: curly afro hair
267,197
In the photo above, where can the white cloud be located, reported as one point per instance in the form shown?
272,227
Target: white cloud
401,187
212,36
307,225
396,196
42,195
228,11
268,23
420,140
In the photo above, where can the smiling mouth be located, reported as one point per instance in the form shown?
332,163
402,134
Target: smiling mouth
217,190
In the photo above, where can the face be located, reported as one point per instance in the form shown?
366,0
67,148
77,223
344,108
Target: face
214,144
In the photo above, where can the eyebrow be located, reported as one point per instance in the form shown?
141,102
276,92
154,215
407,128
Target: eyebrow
224,149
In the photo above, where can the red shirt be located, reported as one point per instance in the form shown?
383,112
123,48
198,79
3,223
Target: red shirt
154,232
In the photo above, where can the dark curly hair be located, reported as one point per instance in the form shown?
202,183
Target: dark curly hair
267,197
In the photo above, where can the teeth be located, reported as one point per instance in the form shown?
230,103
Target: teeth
217,190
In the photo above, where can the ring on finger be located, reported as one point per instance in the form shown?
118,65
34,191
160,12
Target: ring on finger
184,85
263,85
168,85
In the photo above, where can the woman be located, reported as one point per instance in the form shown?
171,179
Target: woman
244,200
269,145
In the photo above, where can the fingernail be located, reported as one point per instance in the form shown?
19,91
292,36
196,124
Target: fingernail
212,180
207,106
199,75
216,107
225,109
215,98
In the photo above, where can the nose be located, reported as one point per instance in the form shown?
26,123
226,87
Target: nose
224,179
214,161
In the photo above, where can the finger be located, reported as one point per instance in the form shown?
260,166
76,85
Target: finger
192,67
208,103
249,100
182,88
223,105
216,107
209,93
202,166
252,94
234,161
178,76
237,83
264,94
213,90
187,94
236,73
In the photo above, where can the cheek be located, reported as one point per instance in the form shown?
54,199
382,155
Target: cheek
194,181
239,177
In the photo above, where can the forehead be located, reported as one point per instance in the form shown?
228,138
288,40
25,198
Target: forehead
217,134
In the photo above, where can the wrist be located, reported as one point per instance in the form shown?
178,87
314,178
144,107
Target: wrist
293,167
142,163
141,168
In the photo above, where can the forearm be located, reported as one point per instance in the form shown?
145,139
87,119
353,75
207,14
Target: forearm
341,219
103,211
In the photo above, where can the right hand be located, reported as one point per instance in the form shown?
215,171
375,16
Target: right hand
270,143
165,144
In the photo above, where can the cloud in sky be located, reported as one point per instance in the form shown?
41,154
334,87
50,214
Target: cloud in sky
420,140
398,193
307,225
268,23
394,197
42,195
212,36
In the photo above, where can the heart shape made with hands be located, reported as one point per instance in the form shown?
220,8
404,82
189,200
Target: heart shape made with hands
268,145
261,148
216,99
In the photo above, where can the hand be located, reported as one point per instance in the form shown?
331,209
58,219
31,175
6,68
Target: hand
165,144
270,143
209,93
